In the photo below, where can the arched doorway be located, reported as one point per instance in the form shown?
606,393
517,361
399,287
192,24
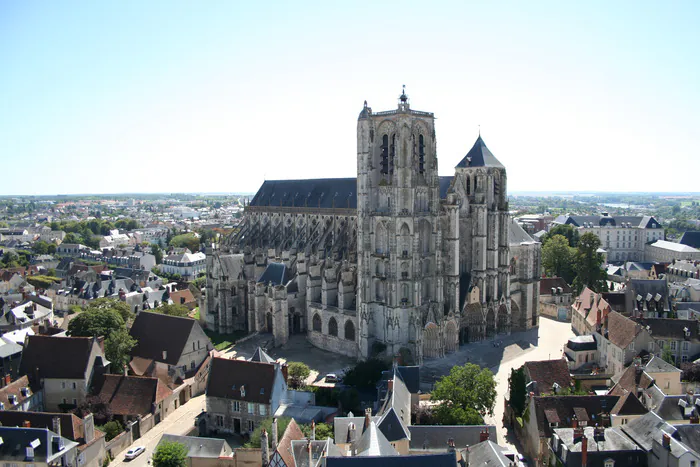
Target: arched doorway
503,320
431,341
332,327
349,331
269,322
451,338
490,323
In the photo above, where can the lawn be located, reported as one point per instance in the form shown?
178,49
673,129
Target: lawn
224,341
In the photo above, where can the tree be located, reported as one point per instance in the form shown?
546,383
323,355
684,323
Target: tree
566,230
157,252
40,247
266,424
298,372
118,348
467,387
97,406
517,390
72,237
188,240
111,429
170,454
96,322
446,415
323,431
667,355
587,265
365,374
173,310
108,303
42,282
556,258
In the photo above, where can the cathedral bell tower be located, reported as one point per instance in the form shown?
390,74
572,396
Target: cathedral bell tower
400,290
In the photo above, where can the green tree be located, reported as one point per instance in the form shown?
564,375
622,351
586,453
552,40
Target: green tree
365,374
323,431
173,310
157,252
111,429
556,258
188,240
467,387
588,265
266,424
298,372
170,454
108,303
446,415
72,237
667,355
96,322
517,390
40,247
42,282
118,347
567,230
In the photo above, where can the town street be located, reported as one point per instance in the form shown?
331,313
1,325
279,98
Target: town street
180,422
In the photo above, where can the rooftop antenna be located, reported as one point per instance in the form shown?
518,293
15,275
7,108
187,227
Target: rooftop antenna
479,131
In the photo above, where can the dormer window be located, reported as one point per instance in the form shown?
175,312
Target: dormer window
262,391
242,391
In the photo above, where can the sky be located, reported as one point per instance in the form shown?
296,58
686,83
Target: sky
218,96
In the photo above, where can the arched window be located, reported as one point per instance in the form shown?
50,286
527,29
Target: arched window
392,153
349,331
332,327
385,154
404,292
381,239
421,154
476,183
469,185
317,323
405,240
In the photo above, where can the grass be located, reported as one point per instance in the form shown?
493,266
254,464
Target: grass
196,314
224,341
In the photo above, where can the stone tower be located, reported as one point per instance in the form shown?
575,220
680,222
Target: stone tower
399,243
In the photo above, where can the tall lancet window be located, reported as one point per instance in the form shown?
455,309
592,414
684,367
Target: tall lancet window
421,154
385,154
392,154
469,185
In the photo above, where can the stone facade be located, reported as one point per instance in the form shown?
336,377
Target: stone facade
397,260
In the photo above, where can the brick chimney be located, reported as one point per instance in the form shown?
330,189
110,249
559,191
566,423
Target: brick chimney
26,424
584,451
274,435
368,419
390,385
666,441
484,435
56,425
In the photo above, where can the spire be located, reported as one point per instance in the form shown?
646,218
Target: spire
403,96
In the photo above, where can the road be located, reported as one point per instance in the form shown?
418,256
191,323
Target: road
544,343
179,422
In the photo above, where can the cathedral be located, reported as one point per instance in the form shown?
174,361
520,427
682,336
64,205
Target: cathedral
398,260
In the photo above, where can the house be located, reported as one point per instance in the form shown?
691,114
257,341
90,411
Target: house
34,310
647,298
282,454
19,396
202,452
620,339
175,344
71,249
91,442
680,337
133,397
594,446
555,298
679,271
64,367
581,352
664,251
39,447
183,297
663,443
587,312
547,376
10,355
188,265
240,394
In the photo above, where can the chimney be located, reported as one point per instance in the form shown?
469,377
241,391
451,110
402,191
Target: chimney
465,456
484,435
26,424
56,425
165,354
351,433
574,422
308,448
450,445
264,446
125,370
666,441
584,451
368,419
598,318
274,435
89,428
8,379
390,385
313,430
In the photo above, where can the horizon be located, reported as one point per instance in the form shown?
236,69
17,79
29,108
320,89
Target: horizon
135,97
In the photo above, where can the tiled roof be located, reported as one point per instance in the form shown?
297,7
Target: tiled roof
547,283
429,437
621,330
562,408
628,404
548,372
178,296
284,448
56,357
71,425
227,377
156,333
17,389
130,395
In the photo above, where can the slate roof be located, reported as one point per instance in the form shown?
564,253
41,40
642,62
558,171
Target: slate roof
547,283
227,376
447,459
200,447
323,193
131,395
641,429
319,449
373,443
261,356
673,246
689,435
488,453
479,156
516,234
156,333
391,426
548,372
43,454
628,404
691,239
669,409
671,328
56,357
71,426
275,274
341,425
410,375
644,222
431,437
580,343
659,365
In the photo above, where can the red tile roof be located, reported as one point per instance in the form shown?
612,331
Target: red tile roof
132,395
621,330
548,372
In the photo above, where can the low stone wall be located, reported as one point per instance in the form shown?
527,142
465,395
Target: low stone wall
333,344
118,444
146,424
551,310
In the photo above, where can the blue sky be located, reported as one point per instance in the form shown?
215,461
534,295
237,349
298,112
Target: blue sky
133,96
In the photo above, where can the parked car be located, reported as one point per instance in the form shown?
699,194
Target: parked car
134,452
332,378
